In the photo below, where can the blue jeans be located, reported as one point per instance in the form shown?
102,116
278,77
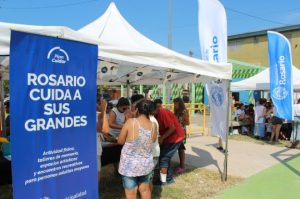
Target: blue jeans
259,130
296,130
167,151
133,182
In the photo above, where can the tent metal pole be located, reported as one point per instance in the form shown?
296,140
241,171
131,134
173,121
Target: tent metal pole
164,94
193,96
127,88
2,107
230,111
224,175
122,90
141,89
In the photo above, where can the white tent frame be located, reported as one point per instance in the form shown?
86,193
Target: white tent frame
107,28
261,81
158,58
122,45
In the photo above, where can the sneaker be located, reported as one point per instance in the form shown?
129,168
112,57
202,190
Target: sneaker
180,170
159,183
169,182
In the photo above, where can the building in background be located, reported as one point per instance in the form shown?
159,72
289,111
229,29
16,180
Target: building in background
240,71
252,47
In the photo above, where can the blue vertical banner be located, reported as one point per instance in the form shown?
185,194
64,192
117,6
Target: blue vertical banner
281,85
53,119
257,95
212,25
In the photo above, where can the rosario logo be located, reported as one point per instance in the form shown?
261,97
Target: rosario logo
58,55
215,49
280,93
217,96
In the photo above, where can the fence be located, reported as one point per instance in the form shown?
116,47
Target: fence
192,107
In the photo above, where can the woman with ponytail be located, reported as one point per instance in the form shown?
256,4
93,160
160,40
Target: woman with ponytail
182,115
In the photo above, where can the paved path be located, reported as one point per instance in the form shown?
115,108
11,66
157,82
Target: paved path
278,182
245,158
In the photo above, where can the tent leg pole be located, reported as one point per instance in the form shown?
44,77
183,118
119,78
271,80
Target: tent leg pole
193,96
127,90
230,112
122,90
2,107
141,89
164,94
224,175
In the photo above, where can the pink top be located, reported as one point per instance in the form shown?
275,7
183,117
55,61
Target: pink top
136,156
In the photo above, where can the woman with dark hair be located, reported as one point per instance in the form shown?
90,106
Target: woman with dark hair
136,163
277,123
183,117
135,99
240,112
117,117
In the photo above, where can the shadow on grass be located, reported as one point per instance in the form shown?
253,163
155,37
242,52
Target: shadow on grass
5,192
194,184
203,159
251,138
186,185
112,188
285,162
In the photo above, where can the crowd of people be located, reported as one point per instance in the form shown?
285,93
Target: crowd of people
150,135
263,121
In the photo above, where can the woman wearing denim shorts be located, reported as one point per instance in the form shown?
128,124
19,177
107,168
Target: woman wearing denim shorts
136,163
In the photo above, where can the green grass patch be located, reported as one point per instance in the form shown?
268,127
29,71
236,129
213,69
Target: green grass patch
248,138
194,184
281,181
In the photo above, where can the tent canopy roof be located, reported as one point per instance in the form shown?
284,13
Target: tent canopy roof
261,81
125,55
124,46
54,31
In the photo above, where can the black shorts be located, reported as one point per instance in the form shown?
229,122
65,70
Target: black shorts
182,147
276,120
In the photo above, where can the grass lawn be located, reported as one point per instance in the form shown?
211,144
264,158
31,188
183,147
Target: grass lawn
194,184
247,138
5,192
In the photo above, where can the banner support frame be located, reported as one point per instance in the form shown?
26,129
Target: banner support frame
225,171
2,107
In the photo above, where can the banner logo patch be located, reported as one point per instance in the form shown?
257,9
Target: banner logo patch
217,96
280,93
58,55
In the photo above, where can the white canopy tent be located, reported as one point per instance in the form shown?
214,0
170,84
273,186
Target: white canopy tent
126,48
125,55
261,81
54,31
132,58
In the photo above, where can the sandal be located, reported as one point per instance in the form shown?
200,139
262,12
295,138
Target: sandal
180,170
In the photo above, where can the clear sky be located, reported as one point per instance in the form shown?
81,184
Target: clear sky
150,17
